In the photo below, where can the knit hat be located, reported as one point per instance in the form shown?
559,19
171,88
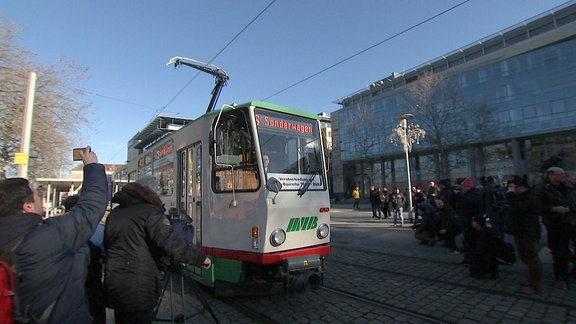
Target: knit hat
490,179
467,183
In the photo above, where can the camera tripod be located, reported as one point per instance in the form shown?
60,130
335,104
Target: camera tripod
175,273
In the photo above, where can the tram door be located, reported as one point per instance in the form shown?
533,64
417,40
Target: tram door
190,162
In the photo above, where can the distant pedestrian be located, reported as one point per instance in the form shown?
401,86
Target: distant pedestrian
385,201
356,197
375,202
397,201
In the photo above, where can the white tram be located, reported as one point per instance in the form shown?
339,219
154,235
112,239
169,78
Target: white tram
263,227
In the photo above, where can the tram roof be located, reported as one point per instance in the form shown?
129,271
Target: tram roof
156,129
271,106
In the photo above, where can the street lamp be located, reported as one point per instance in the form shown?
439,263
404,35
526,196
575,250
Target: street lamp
407,135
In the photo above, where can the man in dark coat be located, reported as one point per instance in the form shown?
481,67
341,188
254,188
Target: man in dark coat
469,208
50,254
137,236
525,211
559,217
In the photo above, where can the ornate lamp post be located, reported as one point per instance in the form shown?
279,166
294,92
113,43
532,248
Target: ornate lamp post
407,135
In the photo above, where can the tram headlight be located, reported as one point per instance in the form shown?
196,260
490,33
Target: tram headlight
322,231
278,237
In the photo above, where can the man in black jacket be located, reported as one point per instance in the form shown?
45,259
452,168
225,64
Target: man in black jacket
50,255
559,217
136,237
525,211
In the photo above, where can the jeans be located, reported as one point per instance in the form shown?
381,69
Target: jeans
398,213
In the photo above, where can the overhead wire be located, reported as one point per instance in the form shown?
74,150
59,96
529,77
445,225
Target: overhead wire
368,48
198,73
404,31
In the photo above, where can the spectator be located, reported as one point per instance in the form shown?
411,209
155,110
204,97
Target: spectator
449,227
554,161
483,252
137,236
427,230
525,210
93,281
397,200
375,202
433,192
385,201
495,205
469,208
558,215
50,254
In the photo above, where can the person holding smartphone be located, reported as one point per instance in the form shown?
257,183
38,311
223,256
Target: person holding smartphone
50,253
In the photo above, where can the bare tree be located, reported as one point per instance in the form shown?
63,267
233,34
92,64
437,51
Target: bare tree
362,128
58,109
436,105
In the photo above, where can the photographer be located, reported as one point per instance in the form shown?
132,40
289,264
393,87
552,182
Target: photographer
137,235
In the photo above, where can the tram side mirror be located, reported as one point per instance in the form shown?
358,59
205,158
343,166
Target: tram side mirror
273,185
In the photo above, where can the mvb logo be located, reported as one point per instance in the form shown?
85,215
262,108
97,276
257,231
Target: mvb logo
302,224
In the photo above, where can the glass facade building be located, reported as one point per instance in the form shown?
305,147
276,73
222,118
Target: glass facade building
512,99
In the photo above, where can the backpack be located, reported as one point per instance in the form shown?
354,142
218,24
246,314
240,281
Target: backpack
10,310
505,253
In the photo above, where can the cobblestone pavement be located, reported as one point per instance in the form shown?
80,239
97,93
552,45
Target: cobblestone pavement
373,259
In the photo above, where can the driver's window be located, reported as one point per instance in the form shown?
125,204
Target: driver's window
234,155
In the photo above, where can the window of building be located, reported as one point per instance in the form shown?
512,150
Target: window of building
558,106
504,116
529,111
516,38
540,29
493,47
543,109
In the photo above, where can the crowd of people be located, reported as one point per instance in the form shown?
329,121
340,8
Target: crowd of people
481,216
59,259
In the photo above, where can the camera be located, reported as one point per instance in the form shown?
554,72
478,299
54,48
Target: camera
76,153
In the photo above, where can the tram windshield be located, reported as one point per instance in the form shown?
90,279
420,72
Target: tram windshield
291,150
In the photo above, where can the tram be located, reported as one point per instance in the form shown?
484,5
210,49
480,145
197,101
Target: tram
252,177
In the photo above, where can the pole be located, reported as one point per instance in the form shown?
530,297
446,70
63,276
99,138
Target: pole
405,124
27,125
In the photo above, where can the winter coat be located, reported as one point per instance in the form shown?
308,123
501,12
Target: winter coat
53,255
470,207
137,237
553,196
448,220
525,211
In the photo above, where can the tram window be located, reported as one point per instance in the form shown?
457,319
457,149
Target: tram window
234,156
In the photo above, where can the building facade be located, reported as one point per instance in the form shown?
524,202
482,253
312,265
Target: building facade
500,107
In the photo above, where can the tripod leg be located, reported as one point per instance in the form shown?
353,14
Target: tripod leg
182,296
157,307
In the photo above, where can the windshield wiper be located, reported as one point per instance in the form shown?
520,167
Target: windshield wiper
307,183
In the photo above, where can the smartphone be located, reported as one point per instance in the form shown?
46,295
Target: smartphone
76,153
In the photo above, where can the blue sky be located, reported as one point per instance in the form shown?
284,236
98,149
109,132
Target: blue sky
125,45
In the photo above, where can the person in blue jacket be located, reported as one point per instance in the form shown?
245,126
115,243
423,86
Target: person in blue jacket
48,254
